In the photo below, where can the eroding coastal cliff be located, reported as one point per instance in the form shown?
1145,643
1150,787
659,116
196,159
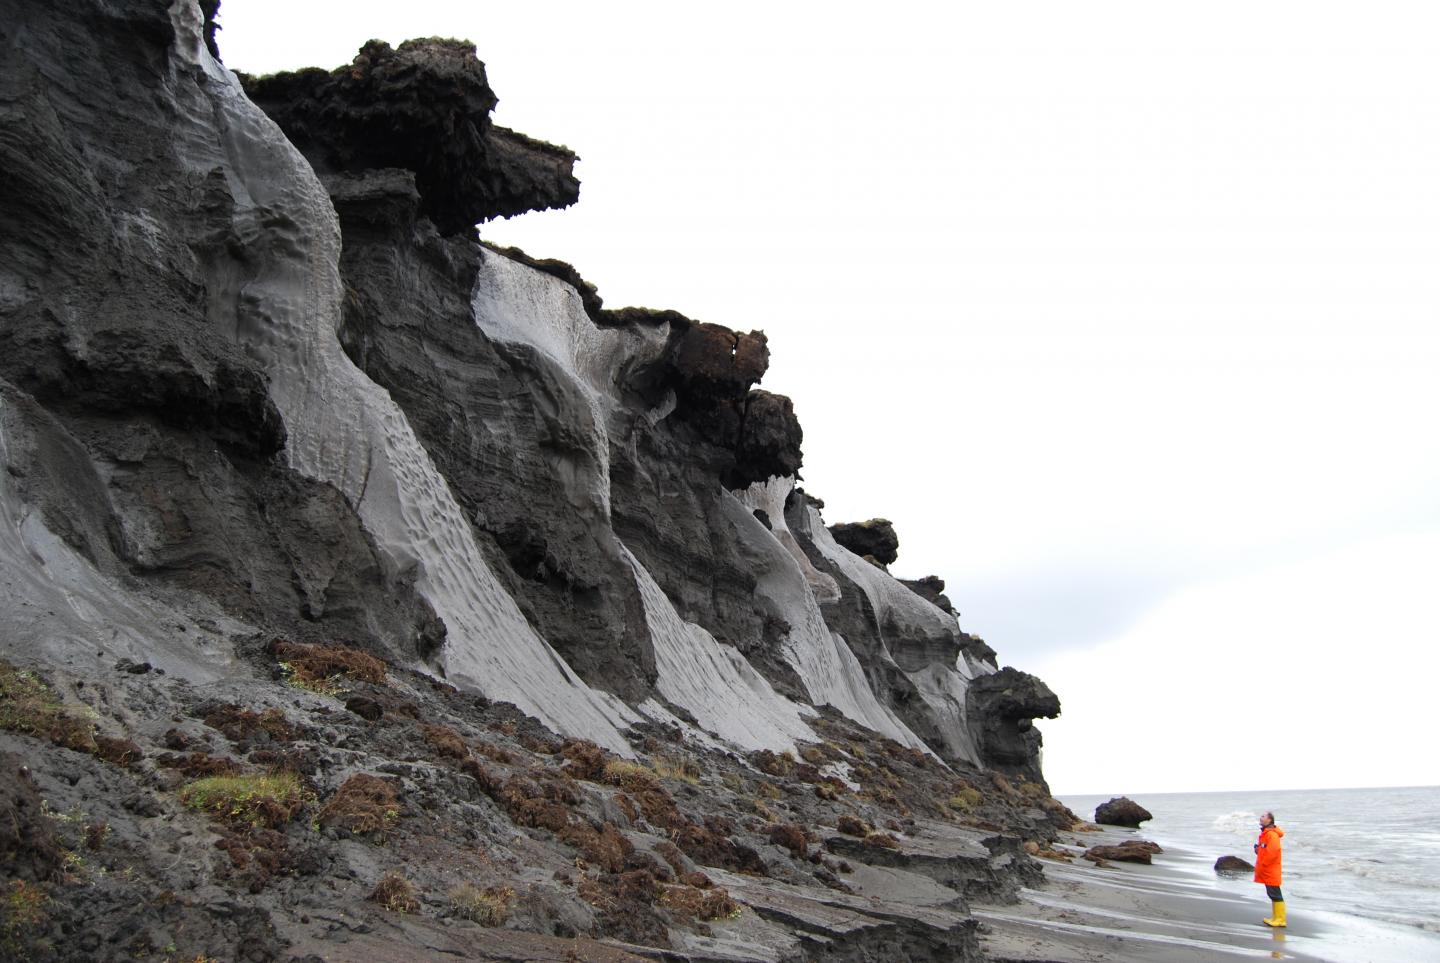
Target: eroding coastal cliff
340,548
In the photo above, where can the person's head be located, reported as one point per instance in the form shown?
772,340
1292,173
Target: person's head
1267,820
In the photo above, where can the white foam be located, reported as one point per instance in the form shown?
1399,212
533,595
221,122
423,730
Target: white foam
1239,822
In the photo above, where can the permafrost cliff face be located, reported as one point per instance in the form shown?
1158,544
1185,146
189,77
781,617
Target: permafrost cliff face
258,379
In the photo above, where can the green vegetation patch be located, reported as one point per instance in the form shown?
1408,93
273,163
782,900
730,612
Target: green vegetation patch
29,706
22,915
269,801
965,800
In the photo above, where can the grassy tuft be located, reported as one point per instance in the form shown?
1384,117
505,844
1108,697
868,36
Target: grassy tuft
630,775
269,801
965,800
395,893
363,804
686,770
488,907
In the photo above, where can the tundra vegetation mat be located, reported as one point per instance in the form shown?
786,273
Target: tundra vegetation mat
388,814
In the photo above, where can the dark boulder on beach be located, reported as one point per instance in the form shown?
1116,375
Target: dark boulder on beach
1232,866
1121,811
1133,851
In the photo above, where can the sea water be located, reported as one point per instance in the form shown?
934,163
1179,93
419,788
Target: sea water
1365,854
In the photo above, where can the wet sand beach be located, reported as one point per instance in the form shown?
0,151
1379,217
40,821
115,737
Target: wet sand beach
1172,912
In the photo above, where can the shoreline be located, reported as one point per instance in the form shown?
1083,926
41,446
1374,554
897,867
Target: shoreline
1167,913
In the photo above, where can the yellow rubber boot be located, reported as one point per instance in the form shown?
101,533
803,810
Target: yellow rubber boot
1278,917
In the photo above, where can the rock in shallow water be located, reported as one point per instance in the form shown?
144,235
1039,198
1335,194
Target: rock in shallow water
1121,811
1232,866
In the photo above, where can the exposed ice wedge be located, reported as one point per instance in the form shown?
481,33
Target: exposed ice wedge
713,682
345,430
912,631
791,589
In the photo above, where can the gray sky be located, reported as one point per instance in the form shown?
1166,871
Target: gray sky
1124,313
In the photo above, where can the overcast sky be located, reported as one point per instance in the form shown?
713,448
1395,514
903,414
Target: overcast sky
1124,313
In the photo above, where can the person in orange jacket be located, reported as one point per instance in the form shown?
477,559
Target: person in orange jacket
1267,867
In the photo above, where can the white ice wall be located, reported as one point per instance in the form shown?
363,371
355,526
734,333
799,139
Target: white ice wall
712,681
792,589
345,430
942,686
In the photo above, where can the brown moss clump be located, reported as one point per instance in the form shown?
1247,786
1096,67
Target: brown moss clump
658,807
701,903
243,725
1007,789
884,840
852,826
605,848
445,741
1061,814
323,668
543,805
196,765
671,854
362,805
494,753
628,807
488,907
626,907
395,893
773,764
541,747
790,837
709,845
259,855
583,759
119,752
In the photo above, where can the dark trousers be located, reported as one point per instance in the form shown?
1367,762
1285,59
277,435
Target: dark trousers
1274,893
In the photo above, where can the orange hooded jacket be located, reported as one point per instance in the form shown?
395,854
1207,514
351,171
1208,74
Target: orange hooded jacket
1267,856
